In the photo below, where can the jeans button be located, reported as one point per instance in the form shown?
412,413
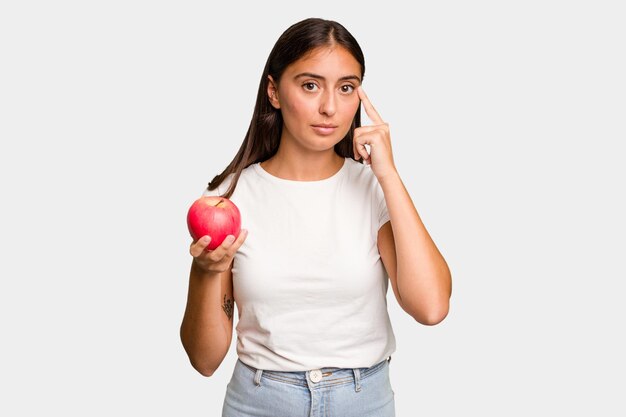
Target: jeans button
315,375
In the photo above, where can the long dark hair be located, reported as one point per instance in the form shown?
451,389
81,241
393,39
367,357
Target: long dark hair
263,136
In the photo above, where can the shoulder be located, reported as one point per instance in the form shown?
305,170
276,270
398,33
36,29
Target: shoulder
247,175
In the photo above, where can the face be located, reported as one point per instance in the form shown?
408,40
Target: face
318,89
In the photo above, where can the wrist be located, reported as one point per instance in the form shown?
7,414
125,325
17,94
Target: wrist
201,272
388,177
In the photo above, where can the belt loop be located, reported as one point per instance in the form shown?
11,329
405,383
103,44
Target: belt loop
257,377
357,379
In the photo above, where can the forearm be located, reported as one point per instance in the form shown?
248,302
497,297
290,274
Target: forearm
203,332
423,277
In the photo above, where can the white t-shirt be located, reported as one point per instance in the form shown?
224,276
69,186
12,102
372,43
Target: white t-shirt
309,284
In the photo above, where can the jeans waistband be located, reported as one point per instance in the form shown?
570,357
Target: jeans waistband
321,377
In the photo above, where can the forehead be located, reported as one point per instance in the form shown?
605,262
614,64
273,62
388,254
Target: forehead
330,62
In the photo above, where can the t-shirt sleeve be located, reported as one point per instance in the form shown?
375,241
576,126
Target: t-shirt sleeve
220,189
381,204
214,192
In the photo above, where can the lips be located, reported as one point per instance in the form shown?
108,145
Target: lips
324,129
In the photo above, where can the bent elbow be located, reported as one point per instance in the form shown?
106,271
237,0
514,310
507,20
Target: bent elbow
206,373
433,316
203,370
431,320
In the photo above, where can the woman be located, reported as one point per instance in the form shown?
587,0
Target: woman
327,222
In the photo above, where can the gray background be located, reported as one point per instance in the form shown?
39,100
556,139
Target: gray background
505,123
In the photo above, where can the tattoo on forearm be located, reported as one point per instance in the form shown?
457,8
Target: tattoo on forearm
228,307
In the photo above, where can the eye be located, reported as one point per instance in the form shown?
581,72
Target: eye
349,90
309,84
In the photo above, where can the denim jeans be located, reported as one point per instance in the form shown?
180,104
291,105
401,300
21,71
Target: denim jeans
324,392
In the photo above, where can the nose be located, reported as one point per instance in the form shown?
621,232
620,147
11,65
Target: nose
327,103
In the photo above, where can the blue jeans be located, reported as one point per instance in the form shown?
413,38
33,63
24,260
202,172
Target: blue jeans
325,392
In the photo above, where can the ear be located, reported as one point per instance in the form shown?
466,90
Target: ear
272,92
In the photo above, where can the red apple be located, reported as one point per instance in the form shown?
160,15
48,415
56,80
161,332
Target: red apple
215,216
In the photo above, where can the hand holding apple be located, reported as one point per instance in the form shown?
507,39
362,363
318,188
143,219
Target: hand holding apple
218,260
213,216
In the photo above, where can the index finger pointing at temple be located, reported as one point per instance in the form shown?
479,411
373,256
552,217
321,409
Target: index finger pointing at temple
369,108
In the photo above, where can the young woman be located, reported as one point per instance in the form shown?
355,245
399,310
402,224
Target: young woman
326,225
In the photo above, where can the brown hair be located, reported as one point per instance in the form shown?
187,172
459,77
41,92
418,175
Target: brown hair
263,136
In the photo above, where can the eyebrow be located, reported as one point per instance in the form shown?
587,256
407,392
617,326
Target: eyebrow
310,74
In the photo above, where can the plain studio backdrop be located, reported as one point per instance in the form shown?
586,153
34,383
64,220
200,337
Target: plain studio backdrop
505,123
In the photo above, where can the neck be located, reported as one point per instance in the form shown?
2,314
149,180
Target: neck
312,166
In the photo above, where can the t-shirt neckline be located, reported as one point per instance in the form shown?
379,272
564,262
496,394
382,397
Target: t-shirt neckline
262,172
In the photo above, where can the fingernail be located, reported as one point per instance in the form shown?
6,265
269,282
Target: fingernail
230,239
206,239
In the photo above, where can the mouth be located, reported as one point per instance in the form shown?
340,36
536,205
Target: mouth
324,129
